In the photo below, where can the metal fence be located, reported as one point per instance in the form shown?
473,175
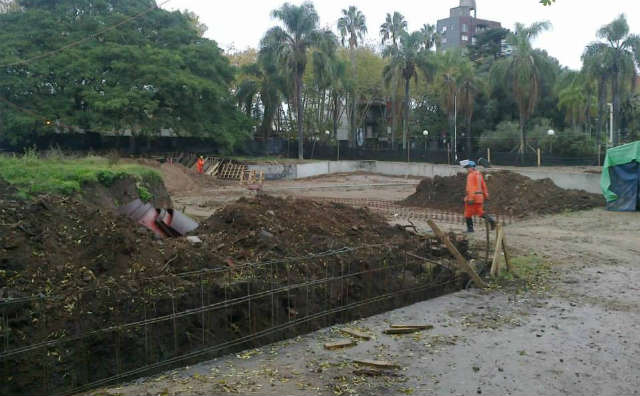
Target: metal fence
88,338
85,142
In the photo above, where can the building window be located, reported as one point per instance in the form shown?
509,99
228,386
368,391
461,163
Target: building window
465,28
444,40
444,29
465,37
473,40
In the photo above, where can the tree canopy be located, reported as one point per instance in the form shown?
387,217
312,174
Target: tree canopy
152,72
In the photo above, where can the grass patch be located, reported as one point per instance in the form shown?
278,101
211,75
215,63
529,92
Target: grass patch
530,273
33,175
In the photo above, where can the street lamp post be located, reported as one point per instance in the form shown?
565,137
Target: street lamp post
425,133
551,133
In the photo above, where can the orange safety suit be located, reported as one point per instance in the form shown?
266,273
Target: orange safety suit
200,165
477,193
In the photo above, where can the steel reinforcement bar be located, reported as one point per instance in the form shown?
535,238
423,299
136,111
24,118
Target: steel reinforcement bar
393,210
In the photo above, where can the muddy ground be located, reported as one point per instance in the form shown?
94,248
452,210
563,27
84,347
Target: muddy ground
572,328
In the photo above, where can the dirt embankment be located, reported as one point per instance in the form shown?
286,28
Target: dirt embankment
511,194
79,268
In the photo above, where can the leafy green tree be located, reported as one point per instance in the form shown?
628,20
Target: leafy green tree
394,26
352,25
151,73
488,45
522,72
619,55
290,45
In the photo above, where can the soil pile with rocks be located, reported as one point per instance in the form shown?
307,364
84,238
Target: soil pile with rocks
510,194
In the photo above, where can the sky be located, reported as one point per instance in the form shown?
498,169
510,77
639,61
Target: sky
240,24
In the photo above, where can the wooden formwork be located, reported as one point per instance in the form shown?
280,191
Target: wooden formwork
252,177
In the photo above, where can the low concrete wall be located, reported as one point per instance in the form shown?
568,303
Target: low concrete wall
589,182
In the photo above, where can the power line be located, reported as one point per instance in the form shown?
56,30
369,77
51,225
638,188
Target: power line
84,40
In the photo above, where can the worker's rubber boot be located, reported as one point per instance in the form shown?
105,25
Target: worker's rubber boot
491,220
469,225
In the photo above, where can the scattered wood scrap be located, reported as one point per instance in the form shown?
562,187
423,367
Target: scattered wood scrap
375,373
418,327
401,330
340,344
356,333
377,364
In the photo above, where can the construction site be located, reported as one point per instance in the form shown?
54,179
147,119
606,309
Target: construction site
256,278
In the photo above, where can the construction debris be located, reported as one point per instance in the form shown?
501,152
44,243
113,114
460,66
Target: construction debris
377,363
163,222
356,333
340,344
418,327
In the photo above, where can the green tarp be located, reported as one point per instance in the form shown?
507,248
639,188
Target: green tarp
617,156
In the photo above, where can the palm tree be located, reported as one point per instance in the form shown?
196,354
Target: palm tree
406,58
290,45
391,29
574,98
614,60
469,84
263,88
522,72
352,25
596,66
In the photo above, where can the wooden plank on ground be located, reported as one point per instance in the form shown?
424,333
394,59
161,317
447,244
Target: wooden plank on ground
409,326
356,333
377,363
340,344
375,373
462,263
401,330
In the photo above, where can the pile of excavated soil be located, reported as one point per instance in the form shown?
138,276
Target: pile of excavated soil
511,194
82,268
179,179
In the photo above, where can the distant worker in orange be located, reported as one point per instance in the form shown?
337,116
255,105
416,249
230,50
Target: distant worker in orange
476,195
200,165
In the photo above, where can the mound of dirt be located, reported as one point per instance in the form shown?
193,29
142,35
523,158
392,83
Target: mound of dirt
511,194
179,179
77,268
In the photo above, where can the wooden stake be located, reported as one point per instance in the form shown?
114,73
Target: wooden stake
507,258
462,263
495,266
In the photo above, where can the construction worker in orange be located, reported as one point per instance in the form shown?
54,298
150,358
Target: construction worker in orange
200,165
476,194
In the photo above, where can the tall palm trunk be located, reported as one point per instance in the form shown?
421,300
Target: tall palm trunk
615,92
468,137
354,99
394,115
522,140
405,129
300,115
602,98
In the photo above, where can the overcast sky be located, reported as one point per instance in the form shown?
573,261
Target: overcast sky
240,24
